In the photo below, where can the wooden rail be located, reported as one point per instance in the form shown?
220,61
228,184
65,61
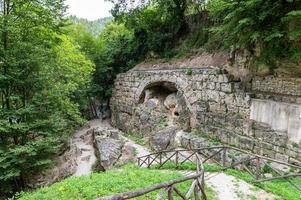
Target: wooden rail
169,188
253,164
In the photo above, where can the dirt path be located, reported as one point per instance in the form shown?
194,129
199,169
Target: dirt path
140,150
84,142
230,188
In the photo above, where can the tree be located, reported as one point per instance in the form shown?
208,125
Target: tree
40,69
157,24
269,29
94,27
117,53
114,51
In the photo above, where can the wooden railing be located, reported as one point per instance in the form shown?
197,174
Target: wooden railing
162,157
253,164
169,188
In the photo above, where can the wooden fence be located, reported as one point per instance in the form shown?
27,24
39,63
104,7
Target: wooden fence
169,188
254,164
259,167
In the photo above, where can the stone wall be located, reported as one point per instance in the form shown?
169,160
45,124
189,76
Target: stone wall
279,89
218,107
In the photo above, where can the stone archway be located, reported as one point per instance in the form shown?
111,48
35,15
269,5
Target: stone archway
161,88
162,99
176,84
130,92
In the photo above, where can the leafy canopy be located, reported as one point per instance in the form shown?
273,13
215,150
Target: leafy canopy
269,29
40,70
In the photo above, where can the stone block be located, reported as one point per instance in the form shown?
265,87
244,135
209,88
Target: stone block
222,78
246,143
268,153
227,87
282,157
211,86
291,153
294,161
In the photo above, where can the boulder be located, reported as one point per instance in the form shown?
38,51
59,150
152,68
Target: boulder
104,132
128,154
152,103
122,120
163,139
108,151
171,101
144,117
108,145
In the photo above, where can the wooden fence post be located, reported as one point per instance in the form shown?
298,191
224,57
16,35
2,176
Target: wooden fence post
160,159
257,175
224,156
148,161
196,192
177,159
170,195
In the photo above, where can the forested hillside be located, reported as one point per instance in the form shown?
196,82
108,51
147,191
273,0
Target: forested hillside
94,27
55,69
268,32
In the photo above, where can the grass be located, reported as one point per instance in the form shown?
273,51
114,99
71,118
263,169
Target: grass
281,188
137,138
187,166
131,178
128,178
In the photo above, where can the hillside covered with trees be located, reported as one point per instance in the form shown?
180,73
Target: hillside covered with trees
95,27
53,68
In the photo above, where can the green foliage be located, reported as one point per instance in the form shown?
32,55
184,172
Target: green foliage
163,122
156,26
108,183
270,30
118,54
113,51
187,166
40,70
189,72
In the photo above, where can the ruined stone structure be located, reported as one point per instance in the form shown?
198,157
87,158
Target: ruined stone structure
265,119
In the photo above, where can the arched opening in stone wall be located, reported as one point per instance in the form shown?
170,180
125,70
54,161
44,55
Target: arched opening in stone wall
162,104
158,90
